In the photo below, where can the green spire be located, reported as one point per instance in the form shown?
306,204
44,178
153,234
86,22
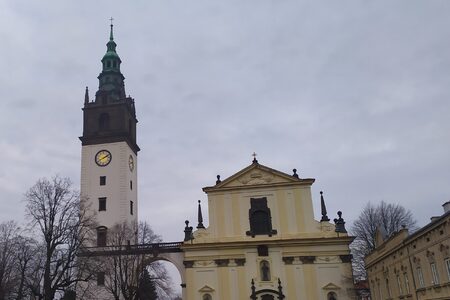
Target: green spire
111,37
111,79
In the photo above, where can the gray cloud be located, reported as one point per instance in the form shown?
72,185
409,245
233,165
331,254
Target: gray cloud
352,93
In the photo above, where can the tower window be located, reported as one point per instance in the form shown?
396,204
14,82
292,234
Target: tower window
101,236
114,64
131,184
108,64
260,219
265,270
102,204
103,121
102,180
131,207
101,278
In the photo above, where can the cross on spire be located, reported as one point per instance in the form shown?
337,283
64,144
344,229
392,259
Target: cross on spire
255,161
111,33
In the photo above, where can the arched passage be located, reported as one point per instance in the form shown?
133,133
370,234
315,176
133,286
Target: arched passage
176,268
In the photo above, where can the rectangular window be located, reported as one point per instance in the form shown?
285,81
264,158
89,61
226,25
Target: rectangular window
131,185
447,265
434,273
101,237
131,207
388,288
102,180
420,277
101,278
102,204
407,283
399,283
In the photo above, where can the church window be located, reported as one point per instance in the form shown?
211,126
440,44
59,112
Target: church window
207,297
265,270
131,184
102,180
331,296
101,236
114,64
101,278
260,219
102,204
108,64
131,207
103,121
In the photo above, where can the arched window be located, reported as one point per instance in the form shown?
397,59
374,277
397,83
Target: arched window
331,296
101,236
207,297
260,219
103,121
264,268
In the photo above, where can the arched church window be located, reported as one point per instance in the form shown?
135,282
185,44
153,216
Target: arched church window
108,64
101,236
331,296
264,270
260,218
103,121
207,297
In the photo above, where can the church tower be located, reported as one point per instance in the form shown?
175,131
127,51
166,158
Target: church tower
109,148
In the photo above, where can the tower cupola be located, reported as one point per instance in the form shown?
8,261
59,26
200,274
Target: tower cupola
111,80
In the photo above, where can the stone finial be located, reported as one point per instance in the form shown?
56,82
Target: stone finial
340,224
295,173
86,96
187,231
218,179
200,216
323,209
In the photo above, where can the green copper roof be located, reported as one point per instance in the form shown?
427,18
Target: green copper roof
111,47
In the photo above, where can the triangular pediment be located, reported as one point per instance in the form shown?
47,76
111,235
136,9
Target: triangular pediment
206,289
331,286
257,175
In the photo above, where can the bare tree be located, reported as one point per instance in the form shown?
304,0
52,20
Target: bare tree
59,219
8,235
388,218
124,272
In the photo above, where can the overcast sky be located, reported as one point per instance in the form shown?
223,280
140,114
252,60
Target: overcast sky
353,93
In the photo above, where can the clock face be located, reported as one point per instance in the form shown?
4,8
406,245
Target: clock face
103,158
131,163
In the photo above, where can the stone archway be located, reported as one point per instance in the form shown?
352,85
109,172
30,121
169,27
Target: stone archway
175,258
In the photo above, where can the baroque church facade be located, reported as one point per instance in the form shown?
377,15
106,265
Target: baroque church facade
262,241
